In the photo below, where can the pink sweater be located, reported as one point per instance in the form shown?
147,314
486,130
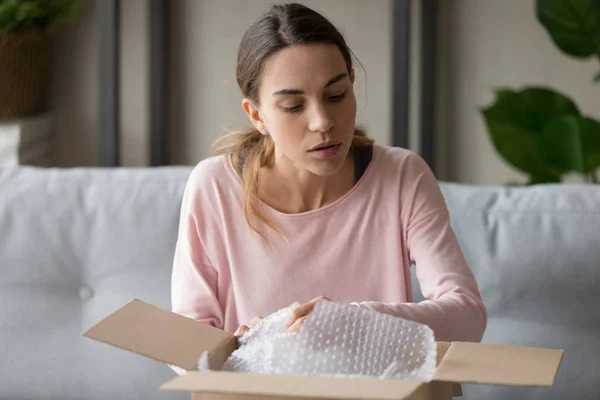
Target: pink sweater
357,250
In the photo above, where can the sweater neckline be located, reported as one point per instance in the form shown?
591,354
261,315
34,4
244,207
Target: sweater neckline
227,159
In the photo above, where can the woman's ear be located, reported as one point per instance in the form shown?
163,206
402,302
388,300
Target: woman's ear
253,114
352,75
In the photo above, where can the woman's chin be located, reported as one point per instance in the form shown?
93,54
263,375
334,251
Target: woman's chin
327,166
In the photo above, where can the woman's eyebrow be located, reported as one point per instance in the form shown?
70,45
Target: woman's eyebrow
289,92
336,79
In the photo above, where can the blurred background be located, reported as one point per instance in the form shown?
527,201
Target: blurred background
490,92
479,47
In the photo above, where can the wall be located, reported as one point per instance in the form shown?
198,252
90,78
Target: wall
484,44
74,92
73,95
204,97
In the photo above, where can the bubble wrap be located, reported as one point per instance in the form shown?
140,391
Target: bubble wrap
336,340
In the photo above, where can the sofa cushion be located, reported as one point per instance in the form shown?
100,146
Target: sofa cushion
535,252
74,246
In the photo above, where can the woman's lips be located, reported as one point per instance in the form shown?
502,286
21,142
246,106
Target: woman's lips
326,151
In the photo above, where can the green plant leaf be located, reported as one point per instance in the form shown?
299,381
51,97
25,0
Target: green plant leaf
538,178
503,92
517,117
571,143
589,132
560,144
19,15
573,25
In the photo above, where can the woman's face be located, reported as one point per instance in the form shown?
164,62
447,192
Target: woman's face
308,107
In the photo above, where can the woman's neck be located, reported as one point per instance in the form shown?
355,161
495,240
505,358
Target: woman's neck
291,190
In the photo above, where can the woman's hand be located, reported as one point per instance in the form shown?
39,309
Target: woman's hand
241,331
301,312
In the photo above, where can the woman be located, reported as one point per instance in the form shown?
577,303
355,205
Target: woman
304,207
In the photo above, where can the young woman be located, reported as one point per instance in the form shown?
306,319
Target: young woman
305,207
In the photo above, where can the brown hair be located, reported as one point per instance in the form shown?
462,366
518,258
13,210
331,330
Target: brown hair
282,26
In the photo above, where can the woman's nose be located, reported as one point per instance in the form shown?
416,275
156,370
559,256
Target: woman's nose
320,120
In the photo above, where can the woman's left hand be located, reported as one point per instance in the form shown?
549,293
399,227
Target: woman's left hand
300,313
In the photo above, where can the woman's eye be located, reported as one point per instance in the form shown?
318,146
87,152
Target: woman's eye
297,108
292,109
338,97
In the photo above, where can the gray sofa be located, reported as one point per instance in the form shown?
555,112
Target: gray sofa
76,244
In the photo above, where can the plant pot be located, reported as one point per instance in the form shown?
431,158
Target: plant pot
25,70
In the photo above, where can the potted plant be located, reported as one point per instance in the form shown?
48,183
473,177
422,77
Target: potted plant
25,55
541,131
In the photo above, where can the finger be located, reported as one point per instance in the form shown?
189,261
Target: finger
254,322
317,299
303,310
299,312
241,331
295,327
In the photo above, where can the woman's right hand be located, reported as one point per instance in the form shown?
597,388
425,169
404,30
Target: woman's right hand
241,331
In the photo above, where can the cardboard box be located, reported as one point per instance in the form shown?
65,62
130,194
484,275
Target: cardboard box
170,338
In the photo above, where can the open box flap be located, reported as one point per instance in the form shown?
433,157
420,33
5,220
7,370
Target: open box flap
442,349
219,382
161,335
499,365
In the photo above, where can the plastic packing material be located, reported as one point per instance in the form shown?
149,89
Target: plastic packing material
337,340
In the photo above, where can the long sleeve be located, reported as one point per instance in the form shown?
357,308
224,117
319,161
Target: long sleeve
194,280
454,308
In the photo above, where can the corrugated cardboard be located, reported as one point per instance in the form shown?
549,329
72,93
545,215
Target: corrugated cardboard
292,386
171,338
499,365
